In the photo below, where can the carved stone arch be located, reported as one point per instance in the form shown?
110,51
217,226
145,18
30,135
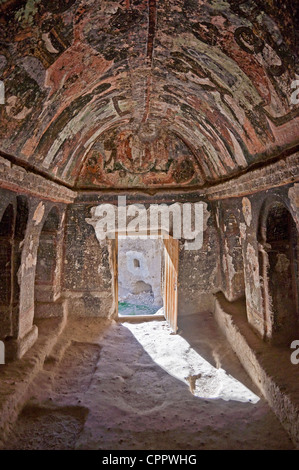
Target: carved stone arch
278,260
7,224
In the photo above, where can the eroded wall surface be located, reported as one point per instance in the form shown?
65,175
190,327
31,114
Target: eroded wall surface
199,269
246,271
87,266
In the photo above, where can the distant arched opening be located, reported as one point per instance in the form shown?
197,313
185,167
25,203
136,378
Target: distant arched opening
279,258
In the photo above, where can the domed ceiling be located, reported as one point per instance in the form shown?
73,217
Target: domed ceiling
147,93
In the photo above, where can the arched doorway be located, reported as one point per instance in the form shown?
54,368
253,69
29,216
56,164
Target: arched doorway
45,274
22,214
279,259
12,233
6,258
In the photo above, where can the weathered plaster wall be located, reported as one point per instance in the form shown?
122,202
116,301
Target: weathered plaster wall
199,270
228,214
248,212
87,276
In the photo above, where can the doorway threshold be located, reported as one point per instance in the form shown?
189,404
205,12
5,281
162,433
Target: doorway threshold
140,318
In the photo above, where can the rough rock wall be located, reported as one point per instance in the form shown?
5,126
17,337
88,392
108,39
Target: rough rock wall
199,271
228,214
87,275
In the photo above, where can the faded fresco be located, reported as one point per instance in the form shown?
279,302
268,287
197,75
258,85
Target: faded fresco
143,93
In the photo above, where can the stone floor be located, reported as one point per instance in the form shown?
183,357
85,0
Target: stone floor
136,386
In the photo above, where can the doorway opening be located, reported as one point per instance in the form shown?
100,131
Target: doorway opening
139,276
146,277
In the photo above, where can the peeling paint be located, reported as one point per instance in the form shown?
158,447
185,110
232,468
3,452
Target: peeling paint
246,209
254,265
242,231
293,194
228,262
30,261
39,213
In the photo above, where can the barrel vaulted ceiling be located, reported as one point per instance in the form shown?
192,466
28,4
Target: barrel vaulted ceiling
147,93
